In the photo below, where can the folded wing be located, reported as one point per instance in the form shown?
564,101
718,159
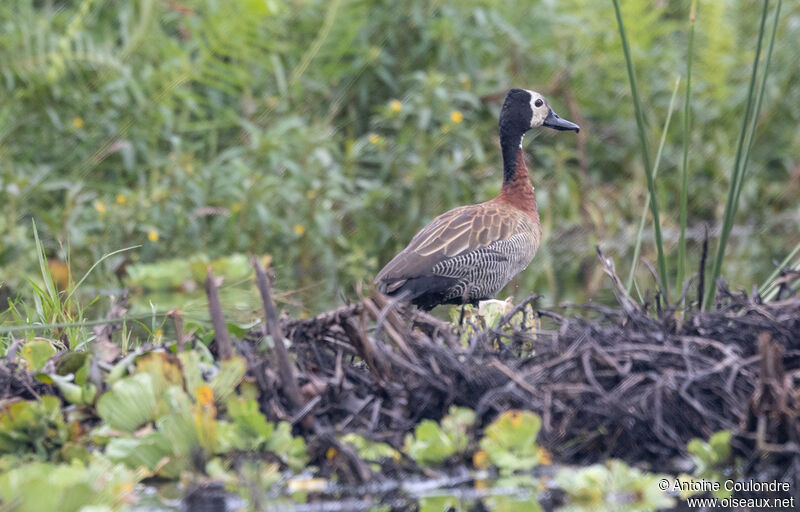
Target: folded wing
484,240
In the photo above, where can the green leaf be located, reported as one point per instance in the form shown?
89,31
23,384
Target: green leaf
721,445
192,375
370,451
456,424
492,311
510,441
440,503
429,445
513,503
252,430
72,362
120,369
231,372
130,403
712,459
36,353
164,368
147,451
291,450
180,431
34,427
67,487
614,486
73,393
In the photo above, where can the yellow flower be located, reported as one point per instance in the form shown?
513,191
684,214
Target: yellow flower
456,116
159,334
299,229
545,458
100,207
205,395
121,199
374,138
77,122
152,235
396,105
126,492
237,207
481,459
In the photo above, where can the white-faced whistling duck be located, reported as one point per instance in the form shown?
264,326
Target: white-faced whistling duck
470,253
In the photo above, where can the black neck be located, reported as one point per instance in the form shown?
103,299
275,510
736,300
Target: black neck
511,144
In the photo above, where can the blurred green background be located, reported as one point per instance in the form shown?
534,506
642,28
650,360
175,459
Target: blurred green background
326,133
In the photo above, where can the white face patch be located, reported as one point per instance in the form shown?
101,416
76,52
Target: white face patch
539,113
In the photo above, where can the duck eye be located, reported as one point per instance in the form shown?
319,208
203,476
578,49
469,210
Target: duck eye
539,102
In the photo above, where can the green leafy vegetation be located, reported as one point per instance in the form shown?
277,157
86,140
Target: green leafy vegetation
687,124
638,244
749,122
597,486
370,450
510,442
713,460
326,135
147,421
33,427
648,166
433,443
96,485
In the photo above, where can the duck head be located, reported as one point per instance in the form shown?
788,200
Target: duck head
524,109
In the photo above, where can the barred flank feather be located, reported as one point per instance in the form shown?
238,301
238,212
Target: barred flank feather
464,255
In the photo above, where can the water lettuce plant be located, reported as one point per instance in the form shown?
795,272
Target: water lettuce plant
510,441
612,486
432,443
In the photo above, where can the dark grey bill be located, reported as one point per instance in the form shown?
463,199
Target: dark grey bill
553,121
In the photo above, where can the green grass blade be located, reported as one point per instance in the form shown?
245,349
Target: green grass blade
730,206
103,258
638,246
662,264
47,277
757,111
687,111
775,288
768,284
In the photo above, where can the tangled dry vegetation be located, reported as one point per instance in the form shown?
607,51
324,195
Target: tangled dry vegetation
635,382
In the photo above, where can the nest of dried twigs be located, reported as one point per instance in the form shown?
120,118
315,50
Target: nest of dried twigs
625,381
